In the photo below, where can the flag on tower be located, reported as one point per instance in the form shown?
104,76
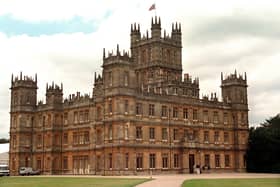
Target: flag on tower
153,7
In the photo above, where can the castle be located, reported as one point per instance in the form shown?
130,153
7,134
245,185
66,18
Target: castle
142,117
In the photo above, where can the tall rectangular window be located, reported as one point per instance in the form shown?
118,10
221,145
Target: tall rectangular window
75,117
126,160
164,160
216,117
110,78
65,162
138,132
185,113
205,116
65,118
226,137
110,106
152,161
110,161
81,116
164,111
195,115
225,118
151,109
206,136
126,106
175,112
110,133
86,117
126,78
139,161
217,161
138,108
227,160
175,134
207,160
164,134
65,138
216,136
152,133
176,160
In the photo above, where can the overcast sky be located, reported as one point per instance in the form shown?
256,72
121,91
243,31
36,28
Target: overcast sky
62,41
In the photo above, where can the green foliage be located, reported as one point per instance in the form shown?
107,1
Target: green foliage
232,183
4,140
68,182
264,147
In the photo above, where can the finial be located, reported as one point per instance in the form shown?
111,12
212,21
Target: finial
52,84
36,77
131,28
180,27
159,22
235,73
156,20
164,33
138,27
94,76
221,76
104,53
118,52
20,75
147,34
134,26
47,87
176,26
12,80
61,86
245,76
152,21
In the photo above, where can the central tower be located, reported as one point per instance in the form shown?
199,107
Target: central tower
158,58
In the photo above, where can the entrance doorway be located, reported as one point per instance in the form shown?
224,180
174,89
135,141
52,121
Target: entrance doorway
191,162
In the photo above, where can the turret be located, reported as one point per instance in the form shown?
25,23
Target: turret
23,93
234,88
54,94
176,33
135,34
156,28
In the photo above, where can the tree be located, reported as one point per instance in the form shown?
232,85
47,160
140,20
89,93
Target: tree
4,140
264,147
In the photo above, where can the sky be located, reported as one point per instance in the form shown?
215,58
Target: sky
63,41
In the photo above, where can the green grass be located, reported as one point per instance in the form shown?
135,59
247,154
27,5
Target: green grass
68,182
232,183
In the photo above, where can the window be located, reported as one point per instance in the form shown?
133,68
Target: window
152,161
164,134
151,109
39,140
110,78
86,116
75,117
126,78
216,136
139,161
110,106
126,132
176,160
152,133
227,160
110,132
217,161
164,111
206,136
185,113
15,141
110,161
175,112
80,138
126,106
39,164
216,117
195,116
65,138
138,108
98,113
207,160
65,162
65,118
138,132
81,116
164,160
205,116
225,118
226,137
175,134
175,91
126,160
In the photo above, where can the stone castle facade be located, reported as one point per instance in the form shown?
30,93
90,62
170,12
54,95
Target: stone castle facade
142,117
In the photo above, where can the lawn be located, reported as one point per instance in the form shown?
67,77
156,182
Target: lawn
232,183
68,182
